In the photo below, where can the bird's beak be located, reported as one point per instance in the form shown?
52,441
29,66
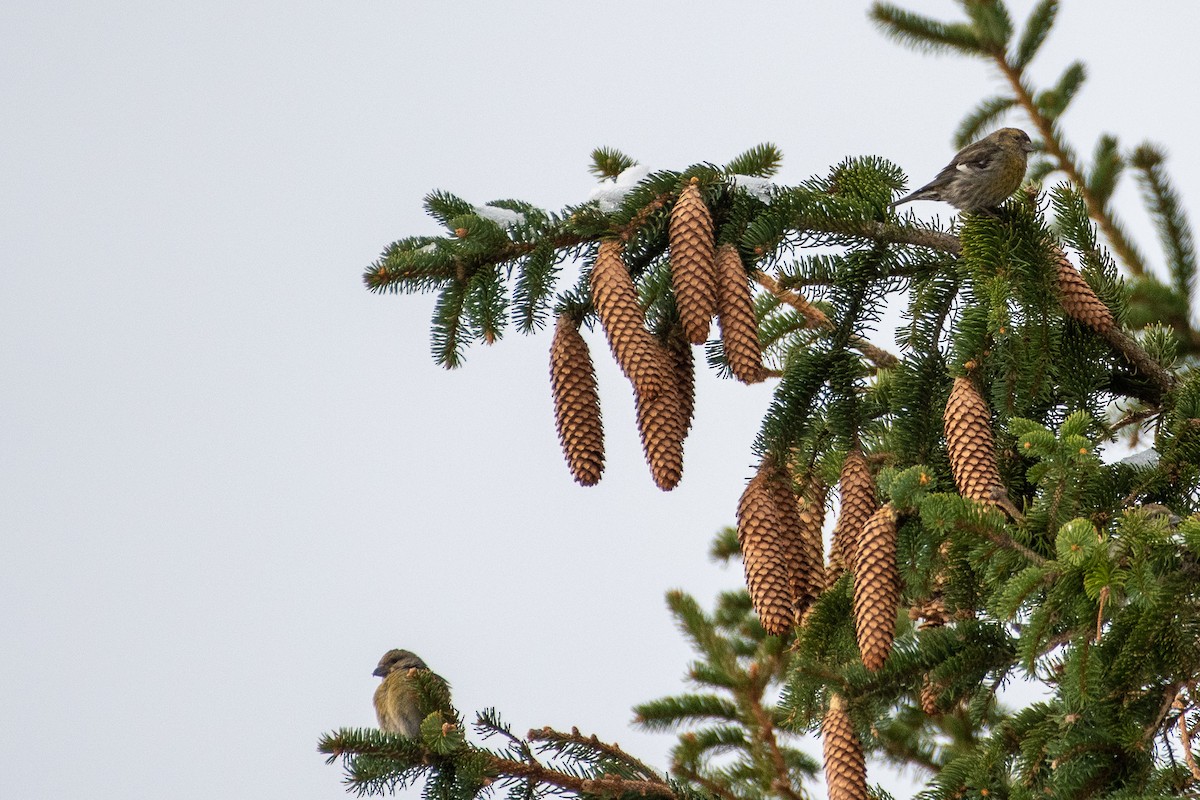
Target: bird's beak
380,671
1029,147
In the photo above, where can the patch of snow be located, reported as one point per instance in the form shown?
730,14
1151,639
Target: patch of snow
1142,458
610,193
429,248
756,187
505,218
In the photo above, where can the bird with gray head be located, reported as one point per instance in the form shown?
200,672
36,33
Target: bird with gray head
982,175
399,703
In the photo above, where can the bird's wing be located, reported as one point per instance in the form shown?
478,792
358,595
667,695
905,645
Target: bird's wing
973,158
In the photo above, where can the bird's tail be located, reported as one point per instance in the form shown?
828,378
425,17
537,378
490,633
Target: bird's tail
924,193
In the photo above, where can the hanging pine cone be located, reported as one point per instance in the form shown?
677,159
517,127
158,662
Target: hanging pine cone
930,692
1078,300
693,275
764,556
801,519
808,560
845,766
576,403
735,313
684,371
876,588
662,423
932,612
857,489
636,351
969,443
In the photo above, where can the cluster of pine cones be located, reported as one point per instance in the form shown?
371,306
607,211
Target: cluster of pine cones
779,525
707,281
780,532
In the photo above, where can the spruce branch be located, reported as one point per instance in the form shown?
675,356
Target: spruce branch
1167,212
986,37
717,788
818,319
1185,737
603,786
392,760
1170,693
560,741
1064,159
1002,539
764,732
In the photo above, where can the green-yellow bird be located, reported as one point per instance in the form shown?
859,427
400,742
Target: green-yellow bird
400,704
982,175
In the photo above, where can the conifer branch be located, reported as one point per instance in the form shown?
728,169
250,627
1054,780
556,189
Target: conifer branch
593,743
1003,540
1127,346
818,319
764,730
719,789
949,243
605,785
886,233
1185,737
1065,161
1169,695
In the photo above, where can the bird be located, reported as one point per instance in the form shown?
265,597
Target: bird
982,175
400,704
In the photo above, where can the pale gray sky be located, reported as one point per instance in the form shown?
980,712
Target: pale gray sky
230,478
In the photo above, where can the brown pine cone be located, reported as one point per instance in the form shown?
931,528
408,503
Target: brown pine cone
764,556
845,766
576,403
636,351
857,489
684,372
693,275
1078,300
876,588
801,519
735,313
929,697
662,423
969,443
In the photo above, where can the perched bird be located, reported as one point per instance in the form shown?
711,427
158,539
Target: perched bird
982,175
400,703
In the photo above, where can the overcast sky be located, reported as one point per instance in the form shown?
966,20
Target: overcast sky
231,478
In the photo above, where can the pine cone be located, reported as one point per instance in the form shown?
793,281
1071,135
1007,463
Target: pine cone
735,312
801,519
929,697
576,403
845,766
637,352
663,423
684,370
764,556
693,275
857,489
932,612
1078,300
876,588
972,451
